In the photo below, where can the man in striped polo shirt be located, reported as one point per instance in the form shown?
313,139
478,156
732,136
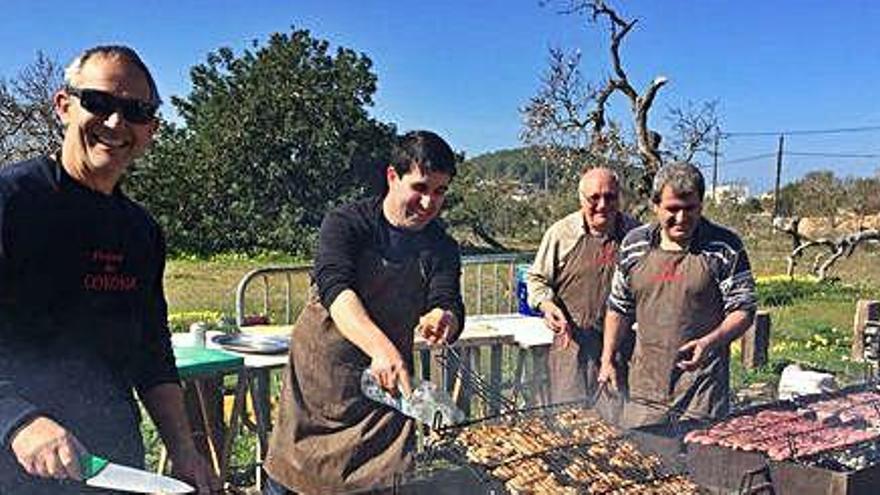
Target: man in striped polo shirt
687,283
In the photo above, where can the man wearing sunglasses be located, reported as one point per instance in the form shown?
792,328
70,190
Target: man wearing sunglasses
570,279
82,309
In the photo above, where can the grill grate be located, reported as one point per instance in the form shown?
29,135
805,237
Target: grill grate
563,448
798,429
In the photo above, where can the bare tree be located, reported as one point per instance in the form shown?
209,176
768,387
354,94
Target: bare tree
832,249
835,249
693,127
28,125
821,193
567,120
559,120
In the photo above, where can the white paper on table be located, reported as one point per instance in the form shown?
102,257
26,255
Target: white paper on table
528,331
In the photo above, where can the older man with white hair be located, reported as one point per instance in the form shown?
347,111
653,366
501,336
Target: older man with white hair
570,279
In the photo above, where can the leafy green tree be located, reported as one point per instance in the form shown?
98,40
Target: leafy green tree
493,204
862,196
522,164
820,193
271,139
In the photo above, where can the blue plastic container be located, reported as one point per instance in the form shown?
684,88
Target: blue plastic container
522,292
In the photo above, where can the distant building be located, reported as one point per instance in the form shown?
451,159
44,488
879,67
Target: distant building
737,192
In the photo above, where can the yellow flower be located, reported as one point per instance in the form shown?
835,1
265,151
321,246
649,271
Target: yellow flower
785,278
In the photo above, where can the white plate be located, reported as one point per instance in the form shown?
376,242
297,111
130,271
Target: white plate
256,344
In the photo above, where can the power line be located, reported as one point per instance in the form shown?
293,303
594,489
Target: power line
841,130
747,159
794,153
831,155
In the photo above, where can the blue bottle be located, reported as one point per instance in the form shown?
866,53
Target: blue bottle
522,293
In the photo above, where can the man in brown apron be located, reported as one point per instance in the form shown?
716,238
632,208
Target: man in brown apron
570,279
384,269
687,283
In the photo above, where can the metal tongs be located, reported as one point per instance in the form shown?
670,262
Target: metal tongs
451,359
674,414
609,409
597,394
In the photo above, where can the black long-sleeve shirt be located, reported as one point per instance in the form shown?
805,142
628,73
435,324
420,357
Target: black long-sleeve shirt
347,230
82,310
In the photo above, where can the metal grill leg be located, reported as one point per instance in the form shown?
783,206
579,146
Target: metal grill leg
757,481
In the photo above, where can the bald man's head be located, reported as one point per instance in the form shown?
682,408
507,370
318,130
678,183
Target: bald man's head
598,174
599,192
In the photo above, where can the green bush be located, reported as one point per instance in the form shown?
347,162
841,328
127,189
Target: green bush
180,321
783,290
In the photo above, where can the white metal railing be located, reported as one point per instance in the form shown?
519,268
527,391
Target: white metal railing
488,285
265,274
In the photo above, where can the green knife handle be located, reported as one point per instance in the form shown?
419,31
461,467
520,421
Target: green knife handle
90,465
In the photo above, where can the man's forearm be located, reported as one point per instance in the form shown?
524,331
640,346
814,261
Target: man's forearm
538,292
731,328
539,276
615,326
546,305
164,402
15,411
355,324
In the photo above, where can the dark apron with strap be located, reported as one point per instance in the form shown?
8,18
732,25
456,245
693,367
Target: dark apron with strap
583,287
328,437
677,300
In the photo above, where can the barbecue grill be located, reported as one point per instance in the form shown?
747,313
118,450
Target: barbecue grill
802,468
568,448
565,448
560,448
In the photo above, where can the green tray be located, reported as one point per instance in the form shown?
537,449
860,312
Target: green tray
199,361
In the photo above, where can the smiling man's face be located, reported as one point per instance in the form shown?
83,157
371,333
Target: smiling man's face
415,198
678,215
98,148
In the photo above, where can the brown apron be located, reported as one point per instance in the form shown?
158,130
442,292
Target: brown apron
328,437
677,300
582,289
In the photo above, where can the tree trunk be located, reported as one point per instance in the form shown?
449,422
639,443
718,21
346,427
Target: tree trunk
479,231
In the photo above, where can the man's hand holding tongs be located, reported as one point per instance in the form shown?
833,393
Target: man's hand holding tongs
437,325
608,376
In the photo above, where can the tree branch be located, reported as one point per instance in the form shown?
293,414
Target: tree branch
566,111
841,247
647,148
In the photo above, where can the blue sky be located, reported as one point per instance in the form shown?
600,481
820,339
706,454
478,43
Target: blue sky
464,68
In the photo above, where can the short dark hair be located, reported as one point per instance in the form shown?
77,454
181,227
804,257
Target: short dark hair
425,149
126,53
682,177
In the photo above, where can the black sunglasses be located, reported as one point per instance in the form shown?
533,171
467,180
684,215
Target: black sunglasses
104,104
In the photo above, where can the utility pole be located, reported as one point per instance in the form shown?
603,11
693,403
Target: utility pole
778,176
546,181
715,168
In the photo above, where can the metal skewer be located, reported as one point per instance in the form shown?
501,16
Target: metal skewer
451,358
